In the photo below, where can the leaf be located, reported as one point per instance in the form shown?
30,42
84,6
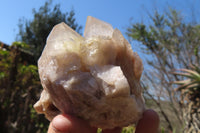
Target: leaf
182,82
184,86
2,75
191,72
20,45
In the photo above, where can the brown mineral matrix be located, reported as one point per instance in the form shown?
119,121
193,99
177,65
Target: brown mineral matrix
95,77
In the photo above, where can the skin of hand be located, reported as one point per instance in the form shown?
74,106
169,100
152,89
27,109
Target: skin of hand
149,123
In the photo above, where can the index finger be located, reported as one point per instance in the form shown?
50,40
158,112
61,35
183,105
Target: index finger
149,122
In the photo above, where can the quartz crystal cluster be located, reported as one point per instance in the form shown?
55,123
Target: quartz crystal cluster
95,77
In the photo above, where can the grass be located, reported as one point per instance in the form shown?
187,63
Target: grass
129,129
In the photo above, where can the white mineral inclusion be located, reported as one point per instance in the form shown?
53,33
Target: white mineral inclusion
95,77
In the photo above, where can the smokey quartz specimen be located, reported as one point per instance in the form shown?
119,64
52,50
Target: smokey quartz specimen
95,77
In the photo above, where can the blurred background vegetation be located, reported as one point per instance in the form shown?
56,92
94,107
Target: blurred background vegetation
171,43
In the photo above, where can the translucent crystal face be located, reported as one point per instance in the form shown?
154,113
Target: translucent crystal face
95,77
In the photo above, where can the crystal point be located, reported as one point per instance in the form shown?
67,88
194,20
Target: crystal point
95,77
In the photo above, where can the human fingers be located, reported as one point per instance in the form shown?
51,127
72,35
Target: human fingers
69,124
149,122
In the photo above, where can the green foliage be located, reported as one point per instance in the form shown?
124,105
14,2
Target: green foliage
168,34
34,32
2,75
19,90
162,130
99,130
20,45
168,42
190,97
4,53
189,87
20,85
129,129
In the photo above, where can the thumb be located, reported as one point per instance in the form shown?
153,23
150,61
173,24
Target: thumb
69,124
